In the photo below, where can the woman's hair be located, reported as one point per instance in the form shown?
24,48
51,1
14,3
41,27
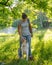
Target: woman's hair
24,16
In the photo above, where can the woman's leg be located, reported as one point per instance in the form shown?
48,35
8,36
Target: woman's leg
29,42
20,52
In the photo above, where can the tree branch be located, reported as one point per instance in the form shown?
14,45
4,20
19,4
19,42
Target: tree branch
4,3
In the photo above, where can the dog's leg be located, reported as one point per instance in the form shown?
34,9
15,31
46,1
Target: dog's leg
22,50
27,52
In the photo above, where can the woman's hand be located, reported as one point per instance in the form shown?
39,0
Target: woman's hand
31,35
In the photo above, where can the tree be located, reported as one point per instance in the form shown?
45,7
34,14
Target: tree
41,20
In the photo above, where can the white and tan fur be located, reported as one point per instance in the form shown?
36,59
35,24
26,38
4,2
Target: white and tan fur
25,48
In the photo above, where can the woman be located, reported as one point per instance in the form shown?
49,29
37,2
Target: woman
25,30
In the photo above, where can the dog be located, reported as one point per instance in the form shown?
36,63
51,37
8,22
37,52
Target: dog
25,48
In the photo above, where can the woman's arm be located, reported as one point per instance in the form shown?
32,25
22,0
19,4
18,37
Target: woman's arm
30,27
20,33
19,30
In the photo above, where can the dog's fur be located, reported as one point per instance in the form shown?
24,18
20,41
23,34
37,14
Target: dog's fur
25,48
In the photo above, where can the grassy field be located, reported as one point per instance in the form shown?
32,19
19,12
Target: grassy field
41,47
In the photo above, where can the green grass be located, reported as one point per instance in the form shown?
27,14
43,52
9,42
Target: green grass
41,46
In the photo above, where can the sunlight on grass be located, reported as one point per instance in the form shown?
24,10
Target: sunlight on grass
47,36
34,41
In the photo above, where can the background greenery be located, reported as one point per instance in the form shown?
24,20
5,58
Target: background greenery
9,13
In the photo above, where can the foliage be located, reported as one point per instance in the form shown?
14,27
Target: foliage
15,23
8,13
41,19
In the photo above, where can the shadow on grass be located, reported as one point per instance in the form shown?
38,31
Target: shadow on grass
13,62
21,62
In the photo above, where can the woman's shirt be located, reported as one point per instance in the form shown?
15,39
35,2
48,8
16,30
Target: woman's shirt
25,28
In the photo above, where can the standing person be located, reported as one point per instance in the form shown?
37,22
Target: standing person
25,30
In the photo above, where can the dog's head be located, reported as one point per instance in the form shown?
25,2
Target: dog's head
24,40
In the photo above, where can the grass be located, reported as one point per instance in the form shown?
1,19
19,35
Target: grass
41,49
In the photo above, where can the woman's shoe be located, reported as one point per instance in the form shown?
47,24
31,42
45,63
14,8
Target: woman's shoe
31,58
